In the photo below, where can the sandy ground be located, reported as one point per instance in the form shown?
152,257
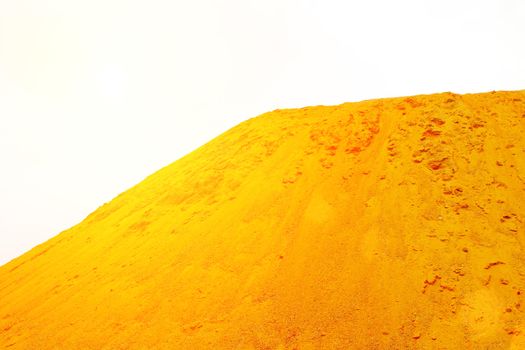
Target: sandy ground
383,224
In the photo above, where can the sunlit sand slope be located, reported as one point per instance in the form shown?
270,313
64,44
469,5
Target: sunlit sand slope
384,224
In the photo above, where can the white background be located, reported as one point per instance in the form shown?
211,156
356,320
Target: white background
95,95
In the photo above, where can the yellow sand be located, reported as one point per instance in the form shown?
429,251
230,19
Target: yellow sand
383,224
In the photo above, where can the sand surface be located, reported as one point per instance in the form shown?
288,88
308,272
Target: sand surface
383,224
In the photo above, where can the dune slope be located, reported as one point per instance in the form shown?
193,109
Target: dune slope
384,224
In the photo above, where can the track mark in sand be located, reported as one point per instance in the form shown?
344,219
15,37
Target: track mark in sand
192,329
445,287
291,178
487,281
512,331
436,164
325,163
431,133
428,283
437,121
492,264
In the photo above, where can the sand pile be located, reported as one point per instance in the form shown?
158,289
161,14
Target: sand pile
383,224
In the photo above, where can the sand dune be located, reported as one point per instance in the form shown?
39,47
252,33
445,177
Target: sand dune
384,224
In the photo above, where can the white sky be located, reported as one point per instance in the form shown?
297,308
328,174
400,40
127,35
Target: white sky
96,95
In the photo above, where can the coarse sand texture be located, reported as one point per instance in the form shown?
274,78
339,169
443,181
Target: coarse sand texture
384,224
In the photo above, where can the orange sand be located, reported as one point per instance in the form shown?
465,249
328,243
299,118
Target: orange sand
383,224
